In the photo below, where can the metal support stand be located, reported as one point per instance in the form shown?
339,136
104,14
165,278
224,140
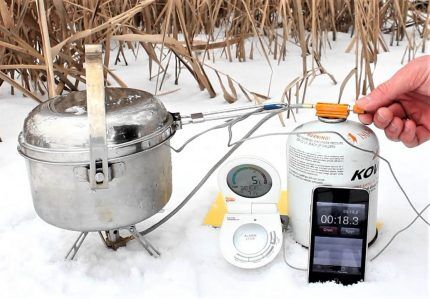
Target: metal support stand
113,240
144,242
75,248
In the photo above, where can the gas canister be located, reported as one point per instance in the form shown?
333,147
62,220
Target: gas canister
316,159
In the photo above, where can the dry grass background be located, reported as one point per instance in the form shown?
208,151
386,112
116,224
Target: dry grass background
42,42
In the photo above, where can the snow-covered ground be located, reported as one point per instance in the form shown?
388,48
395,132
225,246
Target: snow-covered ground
191,266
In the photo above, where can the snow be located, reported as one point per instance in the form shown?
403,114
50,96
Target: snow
191,266
76,110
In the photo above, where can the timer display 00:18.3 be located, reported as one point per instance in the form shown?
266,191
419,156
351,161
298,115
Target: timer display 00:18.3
339,214
342,220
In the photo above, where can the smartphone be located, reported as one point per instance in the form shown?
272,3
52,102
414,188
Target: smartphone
338,235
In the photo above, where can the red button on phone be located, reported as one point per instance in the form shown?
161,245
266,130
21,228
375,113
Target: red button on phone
330,230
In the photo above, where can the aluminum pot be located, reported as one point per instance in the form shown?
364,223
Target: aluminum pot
101,169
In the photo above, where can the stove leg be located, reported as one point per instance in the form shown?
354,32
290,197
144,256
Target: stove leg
75,248
144,242
103,239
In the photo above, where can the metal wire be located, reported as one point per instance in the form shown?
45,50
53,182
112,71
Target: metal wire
284,254
418,214
354,146
399,232
209,173
225,111
230,123
285,220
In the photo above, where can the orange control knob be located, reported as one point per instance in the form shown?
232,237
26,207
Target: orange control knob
330,110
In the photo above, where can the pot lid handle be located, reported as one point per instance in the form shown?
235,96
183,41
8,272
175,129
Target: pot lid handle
96,117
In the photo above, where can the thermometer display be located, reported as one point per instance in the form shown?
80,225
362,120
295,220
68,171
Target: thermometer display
249,181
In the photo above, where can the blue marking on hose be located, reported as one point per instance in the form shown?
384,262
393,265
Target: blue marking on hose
272,106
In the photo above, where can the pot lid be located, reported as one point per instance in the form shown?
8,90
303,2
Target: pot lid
135,121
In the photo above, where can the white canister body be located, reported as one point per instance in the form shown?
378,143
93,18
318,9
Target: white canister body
316,159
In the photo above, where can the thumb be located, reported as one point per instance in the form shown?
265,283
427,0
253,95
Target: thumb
381,96
402,82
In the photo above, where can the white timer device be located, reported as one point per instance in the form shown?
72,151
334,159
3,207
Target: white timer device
251,232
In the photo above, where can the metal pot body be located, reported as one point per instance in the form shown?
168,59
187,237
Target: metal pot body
316,159
139,186
58,146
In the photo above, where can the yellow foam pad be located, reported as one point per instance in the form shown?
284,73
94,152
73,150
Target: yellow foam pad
218,208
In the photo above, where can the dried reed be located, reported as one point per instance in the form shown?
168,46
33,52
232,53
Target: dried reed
42,42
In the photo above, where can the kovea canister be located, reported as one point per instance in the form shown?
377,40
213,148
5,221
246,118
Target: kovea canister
316,159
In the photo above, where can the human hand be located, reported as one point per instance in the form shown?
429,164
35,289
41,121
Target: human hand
401,105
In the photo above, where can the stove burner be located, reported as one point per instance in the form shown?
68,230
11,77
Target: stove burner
114,240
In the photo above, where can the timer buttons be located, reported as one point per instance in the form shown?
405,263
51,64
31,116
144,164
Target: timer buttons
328,230
349,231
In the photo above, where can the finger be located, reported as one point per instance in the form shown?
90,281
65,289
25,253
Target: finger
362,103
408,78
397,110
408,136
383,117
394,129
423,134
366,118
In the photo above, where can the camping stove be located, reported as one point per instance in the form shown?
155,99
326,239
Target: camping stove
113,240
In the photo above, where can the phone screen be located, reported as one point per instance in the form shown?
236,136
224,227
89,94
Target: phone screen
338,235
